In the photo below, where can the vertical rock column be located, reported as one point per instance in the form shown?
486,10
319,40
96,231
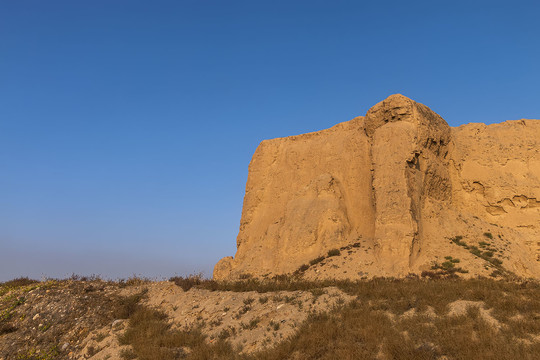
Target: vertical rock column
396,222
406,143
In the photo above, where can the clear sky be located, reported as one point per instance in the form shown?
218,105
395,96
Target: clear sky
126,127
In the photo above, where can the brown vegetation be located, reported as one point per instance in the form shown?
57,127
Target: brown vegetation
411,318
400,319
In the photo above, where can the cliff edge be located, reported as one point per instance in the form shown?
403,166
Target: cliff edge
394,192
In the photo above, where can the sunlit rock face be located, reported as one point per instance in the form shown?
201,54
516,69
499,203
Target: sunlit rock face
391,188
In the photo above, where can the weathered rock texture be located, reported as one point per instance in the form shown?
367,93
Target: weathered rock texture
397,184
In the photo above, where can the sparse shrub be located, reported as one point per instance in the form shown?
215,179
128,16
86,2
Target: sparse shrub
7,328
133,280
289,299
317,292
243,310
100,337
187,283
475,251
91,350
496,273
18,282
458,241
224,334
128,354
488,235
317,260
248,301
447,265
275,325
431,274
125,307
334,252
251,325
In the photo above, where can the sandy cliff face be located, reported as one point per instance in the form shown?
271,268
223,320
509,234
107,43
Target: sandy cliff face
305,194
391,188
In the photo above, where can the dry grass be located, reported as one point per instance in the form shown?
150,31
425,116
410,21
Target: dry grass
389,319
126,307
357,331
188,282
15,284
374,325
151,338
22,281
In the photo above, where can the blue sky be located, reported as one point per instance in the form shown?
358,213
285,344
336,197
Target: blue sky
126,127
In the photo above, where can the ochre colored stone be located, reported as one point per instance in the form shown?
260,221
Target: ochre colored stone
397,183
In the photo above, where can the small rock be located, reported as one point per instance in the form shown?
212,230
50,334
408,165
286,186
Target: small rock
35,317
64,347
116,322
279,306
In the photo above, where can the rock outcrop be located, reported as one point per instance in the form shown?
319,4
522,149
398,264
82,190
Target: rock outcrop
391,189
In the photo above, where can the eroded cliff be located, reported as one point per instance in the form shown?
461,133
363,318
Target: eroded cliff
391,189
